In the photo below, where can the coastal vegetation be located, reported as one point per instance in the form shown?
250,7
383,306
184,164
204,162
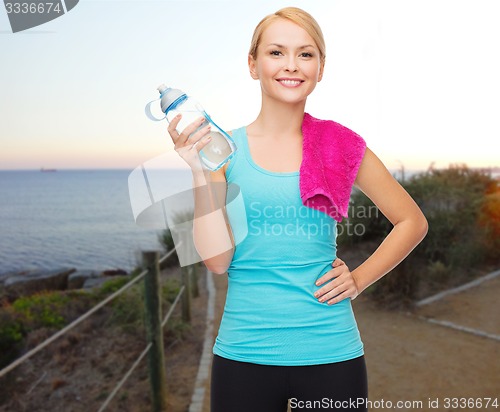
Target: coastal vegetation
28,318
462,207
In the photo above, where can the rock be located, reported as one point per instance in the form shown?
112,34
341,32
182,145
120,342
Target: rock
4,277
114,272
27,283
77,279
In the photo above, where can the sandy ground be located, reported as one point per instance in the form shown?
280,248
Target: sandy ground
412,360
477,307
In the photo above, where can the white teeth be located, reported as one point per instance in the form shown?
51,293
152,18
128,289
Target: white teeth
290,82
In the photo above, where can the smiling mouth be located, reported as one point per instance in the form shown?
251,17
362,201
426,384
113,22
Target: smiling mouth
290,82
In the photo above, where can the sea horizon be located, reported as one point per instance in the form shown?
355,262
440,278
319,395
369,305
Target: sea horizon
78,218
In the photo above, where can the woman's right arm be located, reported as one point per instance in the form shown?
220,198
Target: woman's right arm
212,233
211,230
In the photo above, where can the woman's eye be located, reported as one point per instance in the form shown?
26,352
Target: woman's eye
275,53
306,54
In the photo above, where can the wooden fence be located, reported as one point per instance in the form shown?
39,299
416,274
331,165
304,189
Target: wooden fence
154,325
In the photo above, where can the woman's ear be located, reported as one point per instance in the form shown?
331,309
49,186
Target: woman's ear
252,66
321,71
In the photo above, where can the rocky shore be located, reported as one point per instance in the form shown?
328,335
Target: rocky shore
28,282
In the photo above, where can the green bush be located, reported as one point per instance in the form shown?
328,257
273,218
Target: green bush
167,241
127,310
460,205
26,314
452,200
42,310
176,328
11,335
170,290
56,309
398,288
112,285
489,220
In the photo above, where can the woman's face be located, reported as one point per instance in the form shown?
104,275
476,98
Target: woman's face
288,62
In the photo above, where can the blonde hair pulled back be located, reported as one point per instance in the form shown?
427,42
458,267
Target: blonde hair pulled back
297,16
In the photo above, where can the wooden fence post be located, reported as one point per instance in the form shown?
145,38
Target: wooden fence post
186,281
194,280
156,357
186,296
193,273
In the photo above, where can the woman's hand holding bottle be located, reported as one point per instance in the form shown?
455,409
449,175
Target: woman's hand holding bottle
190,141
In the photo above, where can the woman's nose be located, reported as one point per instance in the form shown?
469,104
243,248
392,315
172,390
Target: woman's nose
291,65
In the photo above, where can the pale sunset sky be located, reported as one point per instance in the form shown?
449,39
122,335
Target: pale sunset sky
419,80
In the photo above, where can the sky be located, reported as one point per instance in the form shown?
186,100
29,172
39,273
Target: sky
417,79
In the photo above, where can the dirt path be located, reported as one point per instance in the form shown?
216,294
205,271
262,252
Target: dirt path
411,360
473,308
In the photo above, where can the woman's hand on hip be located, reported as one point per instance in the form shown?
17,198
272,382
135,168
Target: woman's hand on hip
342,286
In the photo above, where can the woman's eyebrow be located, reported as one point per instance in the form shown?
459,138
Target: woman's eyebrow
277,45
284,47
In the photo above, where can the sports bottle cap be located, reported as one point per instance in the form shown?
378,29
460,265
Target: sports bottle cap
168,96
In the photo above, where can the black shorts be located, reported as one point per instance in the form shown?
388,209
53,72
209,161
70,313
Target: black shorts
248,387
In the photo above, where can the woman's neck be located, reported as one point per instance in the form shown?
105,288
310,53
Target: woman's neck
278,119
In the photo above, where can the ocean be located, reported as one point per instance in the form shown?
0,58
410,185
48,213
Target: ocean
75,218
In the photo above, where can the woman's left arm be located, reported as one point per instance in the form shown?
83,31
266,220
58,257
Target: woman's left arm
410,227
410,224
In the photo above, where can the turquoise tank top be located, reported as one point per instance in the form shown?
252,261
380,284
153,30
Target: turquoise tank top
282,247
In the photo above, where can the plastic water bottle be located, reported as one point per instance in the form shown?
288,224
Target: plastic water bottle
173,101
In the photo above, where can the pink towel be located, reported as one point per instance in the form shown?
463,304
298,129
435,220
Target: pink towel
331,156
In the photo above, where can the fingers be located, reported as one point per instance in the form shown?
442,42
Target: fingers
172,128
331,274
180,139
337,293
190,130
196,140
338,284
346,294
338,262
202,141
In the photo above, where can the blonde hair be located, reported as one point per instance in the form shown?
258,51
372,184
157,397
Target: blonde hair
297,16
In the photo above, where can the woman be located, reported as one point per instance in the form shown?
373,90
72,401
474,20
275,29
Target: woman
288,333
